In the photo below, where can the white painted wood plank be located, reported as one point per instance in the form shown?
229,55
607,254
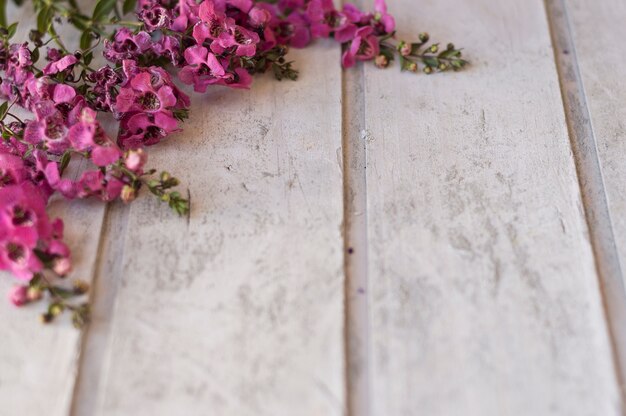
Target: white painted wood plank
599,33
240,310
592,184
38,363
484,296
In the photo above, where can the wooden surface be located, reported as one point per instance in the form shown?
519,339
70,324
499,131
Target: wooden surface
367,242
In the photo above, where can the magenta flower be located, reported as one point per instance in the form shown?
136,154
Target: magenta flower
65,63
294,31
12,169
127,45
259,16
212,23
384,19
24,226
145,129
48,129
326,20
363,47
88,136
155,18
18,295
243,40
203,68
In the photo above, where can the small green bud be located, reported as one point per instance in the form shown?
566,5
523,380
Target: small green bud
428,70
55,309
443,66
424,37
434,48
450,46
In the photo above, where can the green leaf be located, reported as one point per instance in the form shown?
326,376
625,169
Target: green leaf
102,10
12,29
4,107
129,6
3,13
65,160
44,19
85,40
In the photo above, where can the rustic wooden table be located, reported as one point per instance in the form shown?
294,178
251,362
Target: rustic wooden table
367,242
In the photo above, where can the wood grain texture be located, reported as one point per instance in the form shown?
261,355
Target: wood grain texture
484,295
597,31
237,310
38,364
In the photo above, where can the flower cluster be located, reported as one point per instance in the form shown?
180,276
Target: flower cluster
212,42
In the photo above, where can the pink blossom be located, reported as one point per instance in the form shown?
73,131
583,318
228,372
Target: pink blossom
126,45
87,135
385,19
364,46
145,129
18,295
61,65
24,226
326,20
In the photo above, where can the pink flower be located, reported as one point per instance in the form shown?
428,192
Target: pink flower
87,135
61,65
326,20
24,226
155,18
49,128
212,23
203,68
243,40
145,129
126,45
294,31
383,18
364,46
259,16
12,169
135,160
18,295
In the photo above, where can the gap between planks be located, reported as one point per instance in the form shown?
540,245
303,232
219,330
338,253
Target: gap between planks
92,356
355,240
590,178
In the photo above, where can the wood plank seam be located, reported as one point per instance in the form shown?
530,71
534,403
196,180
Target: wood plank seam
105,278
591,181
355,239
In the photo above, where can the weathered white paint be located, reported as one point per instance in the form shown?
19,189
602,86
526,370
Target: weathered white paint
591,179
484,296
38,363
239,309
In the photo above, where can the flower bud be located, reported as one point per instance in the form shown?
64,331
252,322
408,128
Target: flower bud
80,287
428,70
381,61
55,309
18,295
128,194
34,293
424,37
412,67
46,318
405,49
135,159
62,266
